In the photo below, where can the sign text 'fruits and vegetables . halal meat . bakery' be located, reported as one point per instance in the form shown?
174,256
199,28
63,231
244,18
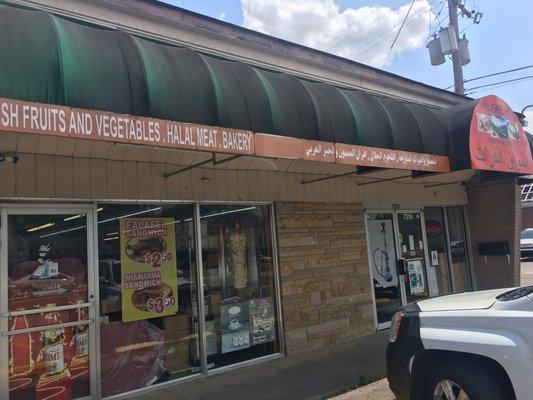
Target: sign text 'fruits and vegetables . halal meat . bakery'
54,120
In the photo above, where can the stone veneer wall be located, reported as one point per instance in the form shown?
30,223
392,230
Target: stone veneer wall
325,279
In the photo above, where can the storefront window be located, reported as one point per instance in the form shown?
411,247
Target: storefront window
147,273
458,247
47,280
438,271
382,256
239,289
412,251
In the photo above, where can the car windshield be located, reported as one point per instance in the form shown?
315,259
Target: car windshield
516,293
527,234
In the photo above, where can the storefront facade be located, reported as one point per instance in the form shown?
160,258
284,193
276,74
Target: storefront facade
195,213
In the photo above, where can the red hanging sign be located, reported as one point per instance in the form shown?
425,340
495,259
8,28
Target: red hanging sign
497,140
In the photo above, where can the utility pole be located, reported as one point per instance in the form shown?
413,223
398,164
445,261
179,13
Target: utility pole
456,54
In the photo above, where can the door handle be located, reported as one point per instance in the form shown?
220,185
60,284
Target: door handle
46,310
48,327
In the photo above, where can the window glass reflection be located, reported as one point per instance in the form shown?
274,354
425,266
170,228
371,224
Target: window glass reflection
240,305
458,246
147,275
47,268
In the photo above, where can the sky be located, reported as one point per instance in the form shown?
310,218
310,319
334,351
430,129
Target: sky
364,31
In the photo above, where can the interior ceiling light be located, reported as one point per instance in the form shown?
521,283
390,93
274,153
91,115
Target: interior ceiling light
74,217
38,228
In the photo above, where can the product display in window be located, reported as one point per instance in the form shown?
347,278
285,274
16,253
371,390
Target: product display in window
263,321
148,295
239,283
235,327
45,271
237,257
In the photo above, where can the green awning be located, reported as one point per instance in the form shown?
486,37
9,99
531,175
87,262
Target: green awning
50,59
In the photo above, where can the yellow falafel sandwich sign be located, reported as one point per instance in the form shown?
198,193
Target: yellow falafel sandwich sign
148,268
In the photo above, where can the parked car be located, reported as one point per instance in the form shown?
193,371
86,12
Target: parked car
526,243
469,346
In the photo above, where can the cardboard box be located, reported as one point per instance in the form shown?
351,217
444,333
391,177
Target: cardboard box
175,364
183,335
178,322
214,303
177,356
178,348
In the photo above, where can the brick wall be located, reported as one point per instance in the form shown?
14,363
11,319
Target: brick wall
325,283
494,214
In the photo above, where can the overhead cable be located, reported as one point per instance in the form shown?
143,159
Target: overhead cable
399,31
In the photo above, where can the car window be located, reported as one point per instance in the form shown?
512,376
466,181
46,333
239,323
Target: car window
516,293
527,234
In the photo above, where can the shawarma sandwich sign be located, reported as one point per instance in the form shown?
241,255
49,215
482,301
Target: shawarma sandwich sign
54,120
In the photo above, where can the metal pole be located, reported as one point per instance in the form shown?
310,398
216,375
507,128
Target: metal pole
456,55
384,180
522,117
200,290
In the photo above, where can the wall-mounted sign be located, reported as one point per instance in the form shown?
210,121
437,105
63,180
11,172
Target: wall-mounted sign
235,327
53,120
386,158
434,228
148,268
415,272
435,258
497,139
262,321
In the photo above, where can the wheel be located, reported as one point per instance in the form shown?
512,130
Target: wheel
463,381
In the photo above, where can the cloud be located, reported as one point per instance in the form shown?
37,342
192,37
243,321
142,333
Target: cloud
222,16
363,34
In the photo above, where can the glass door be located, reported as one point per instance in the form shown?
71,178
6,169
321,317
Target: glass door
438,268
239,283
46,303
412,249
382,258
460,267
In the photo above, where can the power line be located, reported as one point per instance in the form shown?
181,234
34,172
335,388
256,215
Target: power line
429,35
385,32
357,32
467,27
373,42
438,24
498,83
494,74
370,45
499,86
399,31
406,59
